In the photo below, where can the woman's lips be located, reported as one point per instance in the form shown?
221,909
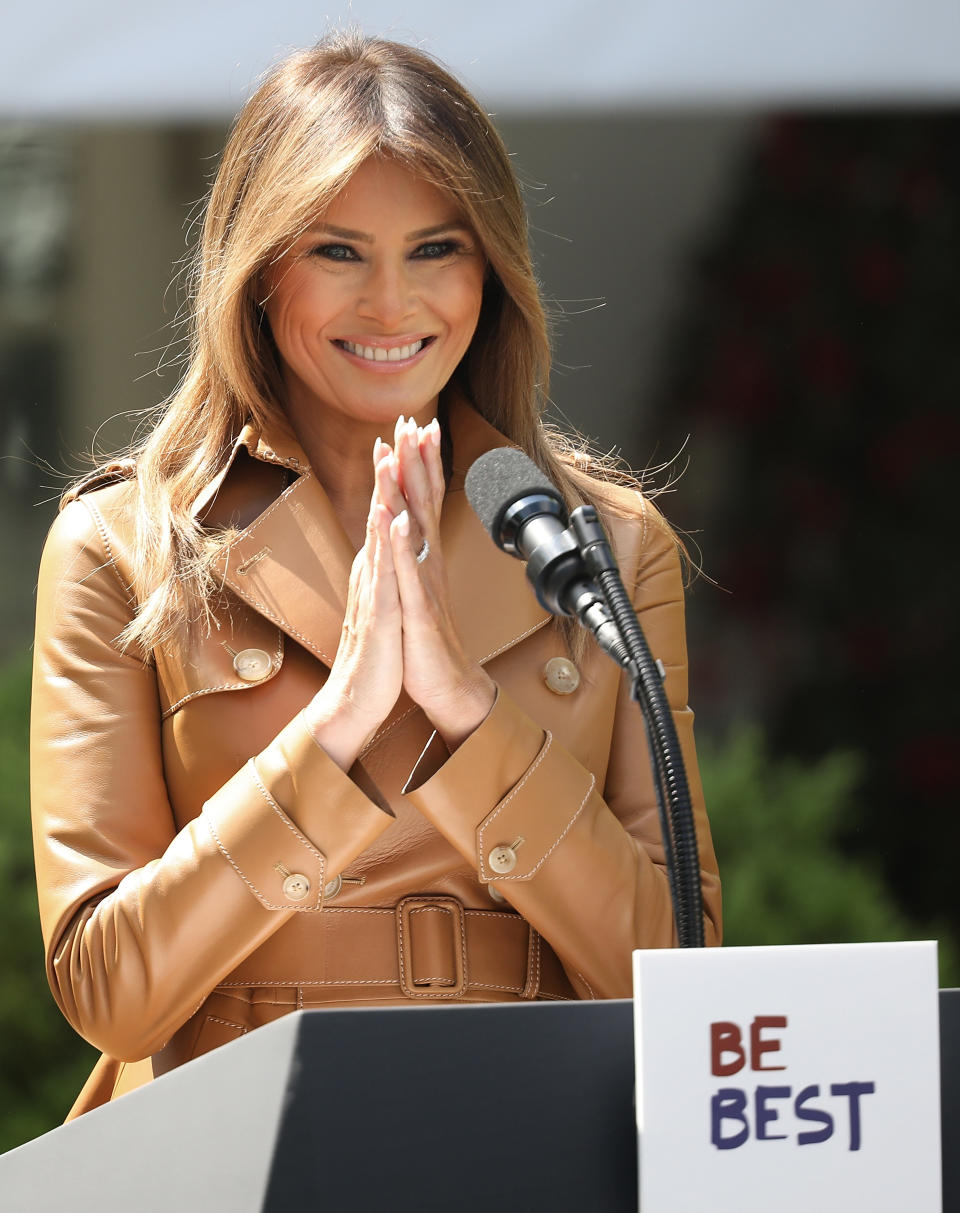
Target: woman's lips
383,357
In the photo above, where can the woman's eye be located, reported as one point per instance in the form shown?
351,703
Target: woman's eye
437,249
336,252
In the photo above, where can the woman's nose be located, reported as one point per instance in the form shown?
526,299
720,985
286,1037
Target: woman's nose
388,297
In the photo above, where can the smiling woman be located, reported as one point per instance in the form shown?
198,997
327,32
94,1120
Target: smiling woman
301,735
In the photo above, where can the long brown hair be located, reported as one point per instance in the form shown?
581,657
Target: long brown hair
316,118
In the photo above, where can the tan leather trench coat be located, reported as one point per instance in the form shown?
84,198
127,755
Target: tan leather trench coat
204,867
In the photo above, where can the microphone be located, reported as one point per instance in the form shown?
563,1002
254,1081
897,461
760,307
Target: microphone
526,516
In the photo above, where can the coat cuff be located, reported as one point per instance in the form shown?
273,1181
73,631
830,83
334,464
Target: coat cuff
291,820
507,788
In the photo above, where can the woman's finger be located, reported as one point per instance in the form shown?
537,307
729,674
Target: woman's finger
452,689
369,539
388,488
387,473
381,452
361,570
432,461
384,585
415,482
405,543
399,429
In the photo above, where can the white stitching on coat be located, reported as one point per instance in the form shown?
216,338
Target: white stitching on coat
300,909
378,737
231,686
568,827
516,640
101,526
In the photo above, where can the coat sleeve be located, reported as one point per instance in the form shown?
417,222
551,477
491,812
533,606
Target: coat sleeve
141,920
589,875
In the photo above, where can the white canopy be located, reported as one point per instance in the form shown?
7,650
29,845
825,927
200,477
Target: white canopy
181,59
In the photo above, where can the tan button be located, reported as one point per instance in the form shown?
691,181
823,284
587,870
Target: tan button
332,887
295,887
502,859
561,675
252,664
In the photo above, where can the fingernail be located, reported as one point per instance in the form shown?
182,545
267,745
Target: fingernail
403,523
376,447
393,470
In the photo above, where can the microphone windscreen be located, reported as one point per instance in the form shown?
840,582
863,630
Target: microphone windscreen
500,477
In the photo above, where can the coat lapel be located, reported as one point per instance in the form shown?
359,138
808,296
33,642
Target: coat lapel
493,602
292,563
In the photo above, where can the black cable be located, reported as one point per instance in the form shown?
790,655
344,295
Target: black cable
666,831
676,815
666,748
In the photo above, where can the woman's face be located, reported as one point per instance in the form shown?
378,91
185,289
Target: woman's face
374,306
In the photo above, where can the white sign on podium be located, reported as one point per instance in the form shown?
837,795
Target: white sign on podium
788,1079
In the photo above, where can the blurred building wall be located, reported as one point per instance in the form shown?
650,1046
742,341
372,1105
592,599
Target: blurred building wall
81,336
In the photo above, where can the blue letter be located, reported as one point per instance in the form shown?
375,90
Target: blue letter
728,1102
765,1114
817,1115
854,1090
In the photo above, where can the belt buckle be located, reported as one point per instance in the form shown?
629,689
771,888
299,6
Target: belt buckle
432,987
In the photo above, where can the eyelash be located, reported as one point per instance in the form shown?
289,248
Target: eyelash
447,249
336,251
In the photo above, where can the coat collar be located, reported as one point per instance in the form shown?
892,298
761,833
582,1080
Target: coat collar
292,562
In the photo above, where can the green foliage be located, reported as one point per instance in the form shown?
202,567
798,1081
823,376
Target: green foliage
778,825
43,1063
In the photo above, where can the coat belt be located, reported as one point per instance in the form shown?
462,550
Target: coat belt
429,947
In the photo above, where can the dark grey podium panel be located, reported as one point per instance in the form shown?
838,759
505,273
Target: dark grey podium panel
474,1108
518,1107
950,1098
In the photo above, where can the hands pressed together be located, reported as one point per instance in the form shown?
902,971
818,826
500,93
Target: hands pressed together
398,629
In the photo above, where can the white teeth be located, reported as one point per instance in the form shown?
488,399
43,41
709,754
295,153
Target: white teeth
379,353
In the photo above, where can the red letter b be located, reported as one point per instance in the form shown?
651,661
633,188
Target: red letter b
725,1038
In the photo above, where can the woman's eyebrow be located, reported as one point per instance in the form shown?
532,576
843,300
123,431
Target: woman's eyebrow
346,233
455,225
